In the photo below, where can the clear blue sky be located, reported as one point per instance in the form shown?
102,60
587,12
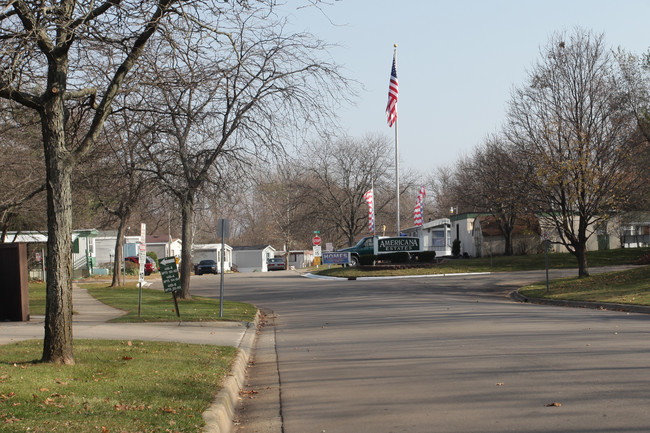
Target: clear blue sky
457,61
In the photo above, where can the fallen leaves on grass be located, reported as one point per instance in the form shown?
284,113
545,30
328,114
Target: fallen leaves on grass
121,407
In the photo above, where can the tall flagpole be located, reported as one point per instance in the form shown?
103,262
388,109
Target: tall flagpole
397,174
396,154
374,225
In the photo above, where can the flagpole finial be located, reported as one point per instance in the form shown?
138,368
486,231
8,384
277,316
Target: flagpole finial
395,45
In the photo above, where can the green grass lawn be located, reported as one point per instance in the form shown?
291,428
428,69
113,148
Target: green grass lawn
158,306
115,386
623,256
623,287
37,298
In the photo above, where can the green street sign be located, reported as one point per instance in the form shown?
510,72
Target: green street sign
169,274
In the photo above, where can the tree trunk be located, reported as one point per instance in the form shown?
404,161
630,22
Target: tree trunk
119,253
581,255
186,251
57,344
507,235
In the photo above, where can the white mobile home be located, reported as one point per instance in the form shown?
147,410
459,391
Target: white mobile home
84,260
299,258
436,236
252,258
490,241
213,252
462,228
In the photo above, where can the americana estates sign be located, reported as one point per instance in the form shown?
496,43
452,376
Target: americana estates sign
397,244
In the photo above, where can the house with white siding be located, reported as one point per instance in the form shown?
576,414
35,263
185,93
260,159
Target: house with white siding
436,236
84,260
252,258
213,252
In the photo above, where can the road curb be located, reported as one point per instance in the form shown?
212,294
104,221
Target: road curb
393,277
518,297
219,416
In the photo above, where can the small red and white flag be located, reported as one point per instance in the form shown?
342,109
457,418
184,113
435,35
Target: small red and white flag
369,197
417,213
391,107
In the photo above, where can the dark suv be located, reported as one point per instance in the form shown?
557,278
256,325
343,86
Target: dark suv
206,267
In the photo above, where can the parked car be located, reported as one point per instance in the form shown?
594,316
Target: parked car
366,246
206,267
275,264
149,265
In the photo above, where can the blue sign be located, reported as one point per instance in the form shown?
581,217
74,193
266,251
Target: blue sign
336,258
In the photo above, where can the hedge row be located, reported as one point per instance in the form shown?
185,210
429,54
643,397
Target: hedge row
397,258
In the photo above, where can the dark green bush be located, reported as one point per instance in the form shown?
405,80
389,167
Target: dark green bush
367,259
455,248
426,256
401,257
154,256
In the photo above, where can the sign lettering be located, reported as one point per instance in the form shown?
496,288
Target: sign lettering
397,244
336,258
169,274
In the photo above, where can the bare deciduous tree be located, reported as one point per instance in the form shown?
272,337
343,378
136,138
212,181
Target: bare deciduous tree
22,175
286,201
222,103
340,173
492,180
48,58
116,180
571,126
442,191
635,83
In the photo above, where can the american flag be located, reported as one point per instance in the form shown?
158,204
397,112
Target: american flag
417,213
391,108
368,196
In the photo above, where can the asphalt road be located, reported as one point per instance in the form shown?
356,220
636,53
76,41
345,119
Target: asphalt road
440,354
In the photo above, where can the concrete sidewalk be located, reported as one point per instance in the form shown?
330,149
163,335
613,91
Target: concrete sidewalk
90,322
90,317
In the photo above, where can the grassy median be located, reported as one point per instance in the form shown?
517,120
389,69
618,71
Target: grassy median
623,287
623,256
115,386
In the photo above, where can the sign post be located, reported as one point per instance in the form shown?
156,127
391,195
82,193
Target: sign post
547,240
170,279
316,241
142,259
223,229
